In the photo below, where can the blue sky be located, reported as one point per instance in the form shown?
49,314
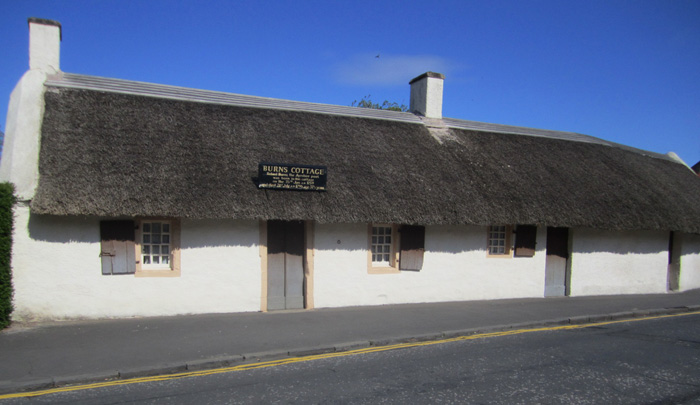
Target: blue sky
625,71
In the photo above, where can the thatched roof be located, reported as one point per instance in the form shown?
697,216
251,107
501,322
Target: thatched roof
110,154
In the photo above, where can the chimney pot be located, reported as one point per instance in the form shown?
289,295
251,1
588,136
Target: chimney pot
426,94
44,44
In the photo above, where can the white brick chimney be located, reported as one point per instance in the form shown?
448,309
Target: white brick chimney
426,94
44,45
25,113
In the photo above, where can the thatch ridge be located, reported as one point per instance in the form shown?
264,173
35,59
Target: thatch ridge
126,155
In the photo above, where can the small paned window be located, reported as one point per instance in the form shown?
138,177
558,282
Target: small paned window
381,245
155,244
499,240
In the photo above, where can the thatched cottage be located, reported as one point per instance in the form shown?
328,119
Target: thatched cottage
145,199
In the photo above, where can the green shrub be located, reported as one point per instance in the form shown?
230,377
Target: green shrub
7,202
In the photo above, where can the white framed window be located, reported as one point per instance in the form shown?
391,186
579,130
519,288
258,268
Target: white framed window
382,245
499,240
382,256
158,247
155,244
392,248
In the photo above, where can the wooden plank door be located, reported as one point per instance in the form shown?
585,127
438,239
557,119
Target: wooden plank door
118,248
294,265
285,265
412,247
674,261
556,280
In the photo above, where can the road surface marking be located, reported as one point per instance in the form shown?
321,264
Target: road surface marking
290,360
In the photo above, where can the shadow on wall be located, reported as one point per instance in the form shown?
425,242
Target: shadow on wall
218,233
197,234
451,239
459,239
469,238
64,229
350,237
620,242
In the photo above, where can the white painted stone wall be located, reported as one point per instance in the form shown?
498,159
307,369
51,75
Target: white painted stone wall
455,268
690,262
57,272
20,155
25,113
616,262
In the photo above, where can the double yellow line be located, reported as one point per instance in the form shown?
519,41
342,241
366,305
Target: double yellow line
290,360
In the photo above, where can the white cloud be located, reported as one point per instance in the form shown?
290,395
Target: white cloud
387,70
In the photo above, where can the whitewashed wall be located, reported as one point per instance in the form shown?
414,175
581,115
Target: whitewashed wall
690,262
610,262
57,273
455,268
26,110
20,155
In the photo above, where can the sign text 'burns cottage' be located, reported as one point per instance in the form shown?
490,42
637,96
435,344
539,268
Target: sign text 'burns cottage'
292,177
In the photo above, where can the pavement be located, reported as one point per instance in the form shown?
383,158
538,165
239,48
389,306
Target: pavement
45,355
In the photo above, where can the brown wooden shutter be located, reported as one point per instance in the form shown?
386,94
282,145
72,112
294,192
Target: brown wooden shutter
525,240
118,247
412,247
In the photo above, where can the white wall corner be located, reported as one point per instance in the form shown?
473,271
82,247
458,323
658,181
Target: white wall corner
44,45
25,114
426,94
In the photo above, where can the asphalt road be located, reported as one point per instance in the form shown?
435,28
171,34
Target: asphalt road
655,361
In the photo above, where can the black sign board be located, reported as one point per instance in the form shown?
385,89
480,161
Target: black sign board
292,177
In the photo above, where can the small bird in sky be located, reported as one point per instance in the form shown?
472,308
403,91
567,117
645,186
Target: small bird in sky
377,56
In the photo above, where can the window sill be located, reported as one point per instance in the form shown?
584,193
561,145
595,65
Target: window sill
503,256
383,270
157,273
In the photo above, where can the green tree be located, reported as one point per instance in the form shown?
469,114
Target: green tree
366,102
